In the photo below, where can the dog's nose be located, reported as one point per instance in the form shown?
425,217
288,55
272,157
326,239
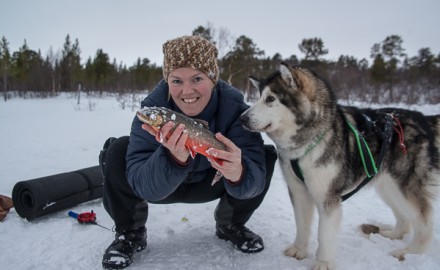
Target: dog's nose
244,118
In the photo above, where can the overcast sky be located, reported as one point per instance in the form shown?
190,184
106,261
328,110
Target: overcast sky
129,29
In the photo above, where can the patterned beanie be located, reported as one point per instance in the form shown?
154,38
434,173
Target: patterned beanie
193,52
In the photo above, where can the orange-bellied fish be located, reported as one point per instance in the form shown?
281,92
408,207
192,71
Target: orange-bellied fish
200,139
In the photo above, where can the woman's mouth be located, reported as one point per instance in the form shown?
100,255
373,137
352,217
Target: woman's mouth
189,100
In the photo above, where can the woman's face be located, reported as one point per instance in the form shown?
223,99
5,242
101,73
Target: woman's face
190,89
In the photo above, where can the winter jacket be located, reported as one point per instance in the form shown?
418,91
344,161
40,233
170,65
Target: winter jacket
153,173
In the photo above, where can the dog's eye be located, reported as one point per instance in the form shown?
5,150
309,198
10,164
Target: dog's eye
270,99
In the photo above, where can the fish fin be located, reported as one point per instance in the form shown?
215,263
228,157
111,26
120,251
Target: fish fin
216,178
210,155
192,152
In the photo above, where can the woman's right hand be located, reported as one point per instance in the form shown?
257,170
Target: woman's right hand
172,138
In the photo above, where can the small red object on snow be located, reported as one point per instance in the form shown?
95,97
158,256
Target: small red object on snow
87,217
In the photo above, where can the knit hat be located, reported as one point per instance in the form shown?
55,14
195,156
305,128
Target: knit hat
190,51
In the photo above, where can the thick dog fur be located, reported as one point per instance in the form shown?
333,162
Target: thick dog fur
299,113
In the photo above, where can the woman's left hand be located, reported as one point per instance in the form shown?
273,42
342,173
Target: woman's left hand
231,167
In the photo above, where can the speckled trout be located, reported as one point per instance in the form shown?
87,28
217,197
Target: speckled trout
200,139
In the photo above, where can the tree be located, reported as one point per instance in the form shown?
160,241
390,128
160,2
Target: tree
392,48
387,53
222,38
313,48
203,32
293,60
102,71
52,63
425,61
70,65
5,64
27,69
224,41
346,78
420,75
140,73
378,69
241,62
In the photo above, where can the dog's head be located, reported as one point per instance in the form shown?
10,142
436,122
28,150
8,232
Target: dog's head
290,99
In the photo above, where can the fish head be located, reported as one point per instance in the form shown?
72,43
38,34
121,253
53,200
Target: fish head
151,116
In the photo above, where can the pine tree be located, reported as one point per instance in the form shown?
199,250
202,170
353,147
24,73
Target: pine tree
5,64
70,65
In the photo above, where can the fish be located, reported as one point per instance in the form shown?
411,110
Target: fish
200,139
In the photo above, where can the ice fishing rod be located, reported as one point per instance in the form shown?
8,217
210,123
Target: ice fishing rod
86,218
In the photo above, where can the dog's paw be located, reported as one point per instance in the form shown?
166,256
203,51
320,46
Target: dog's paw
322,265
399,254
296,252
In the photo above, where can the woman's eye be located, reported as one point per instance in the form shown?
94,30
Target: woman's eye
270,99
176,81
198,79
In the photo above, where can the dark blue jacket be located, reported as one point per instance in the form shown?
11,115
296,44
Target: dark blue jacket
152,172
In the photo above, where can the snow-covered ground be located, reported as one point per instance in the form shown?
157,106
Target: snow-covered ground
40,137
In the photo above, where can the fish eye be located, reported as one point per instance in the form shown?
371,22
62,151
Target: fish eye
270,99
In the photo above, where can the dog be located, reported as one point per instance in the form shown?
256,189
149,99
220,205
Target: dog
327,152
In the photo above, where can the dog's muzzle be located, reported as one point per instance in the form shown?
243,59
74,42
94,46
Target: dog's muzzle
244,118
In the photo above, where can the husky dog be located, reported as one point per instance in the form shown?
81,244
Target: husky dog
328,151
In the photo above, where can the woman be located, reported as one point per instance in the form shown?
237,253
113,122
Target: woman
157,168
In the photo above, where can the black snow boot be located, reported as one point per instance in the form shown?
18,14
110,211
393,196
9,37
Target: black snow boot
242,238
121,251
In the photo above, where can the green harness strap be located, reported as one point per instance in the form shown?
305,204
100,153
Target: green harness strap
368,163
364,150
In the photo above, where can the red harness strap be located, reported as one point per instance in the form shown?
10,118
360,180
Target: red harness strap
399,131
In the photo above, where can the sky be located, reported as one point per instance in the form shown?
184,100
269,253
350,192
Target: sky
127,30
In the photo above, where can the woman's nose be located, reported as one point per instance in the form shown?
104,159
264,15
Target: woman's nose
187,87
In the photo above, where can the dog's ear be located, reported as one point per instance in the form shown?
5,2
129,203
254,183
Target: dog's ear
254,80
286,74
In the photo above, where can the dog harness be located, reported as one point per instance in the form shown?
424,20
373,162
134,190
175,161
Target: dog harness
371,167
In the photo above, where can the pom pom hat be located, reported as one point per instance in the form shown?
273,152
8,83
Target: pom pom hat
190,51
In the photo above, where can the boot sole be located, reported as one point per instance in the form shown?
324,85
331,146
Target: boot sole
125,265
222,236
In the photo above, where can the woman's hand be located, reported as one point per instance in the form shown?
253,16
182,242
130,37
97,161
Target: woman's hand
231,168
173,139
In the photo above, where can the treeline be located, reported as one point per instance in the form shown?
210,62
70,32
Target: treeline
392,75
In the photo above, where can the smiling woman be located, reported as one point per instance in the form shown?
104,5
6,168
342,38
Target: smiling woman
153,165
191,70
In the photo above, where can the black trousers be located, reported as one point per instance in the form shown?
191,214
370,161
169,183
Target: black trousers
131,212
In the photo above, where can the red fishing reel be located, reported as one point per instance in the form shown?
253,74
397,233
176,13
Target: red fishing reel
87,217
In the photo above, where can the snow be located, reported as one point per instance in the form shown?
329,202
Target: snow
41,137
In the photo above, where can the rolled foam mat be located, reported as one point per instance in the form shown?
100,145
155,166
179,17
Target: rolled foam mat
41,196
